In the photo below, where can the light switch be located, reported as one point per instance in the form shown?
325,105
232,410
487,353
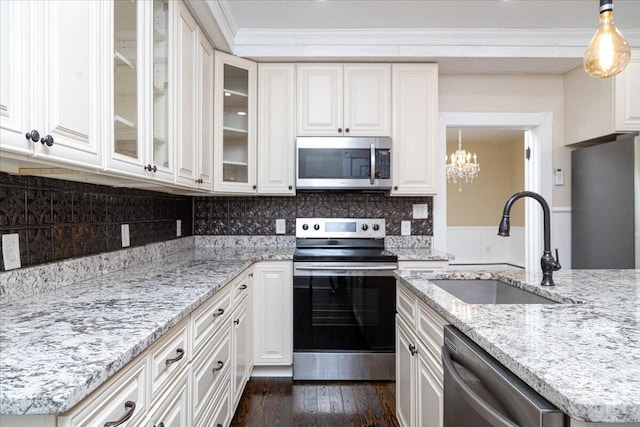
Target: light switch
125,236
280,226
178,227
405,228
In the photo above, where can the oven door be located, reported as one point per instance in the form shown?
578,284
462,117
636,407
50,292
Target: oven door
344,321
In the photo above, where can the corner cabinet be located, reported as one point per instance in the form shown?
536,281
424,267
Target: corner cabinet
276,129
138,142
234,125
344,99
51,85
598,107
415,129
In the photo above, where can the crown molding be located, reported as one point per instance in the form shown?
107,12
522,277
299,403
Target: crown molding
269,44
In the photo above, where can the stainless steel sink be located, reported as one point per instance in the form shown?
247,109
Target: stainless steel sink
489,292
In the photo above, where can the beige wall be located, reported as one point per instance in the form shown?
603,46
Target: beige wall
521,94
501,174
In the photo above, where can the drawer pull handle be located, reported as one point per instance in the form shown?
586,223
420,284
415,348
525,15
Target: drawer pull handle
243,287
130,406
177,358
220,366
159,425
412,349
219,312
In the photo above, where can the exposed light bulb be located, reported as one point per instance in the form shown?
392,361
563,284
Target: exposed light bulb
608,53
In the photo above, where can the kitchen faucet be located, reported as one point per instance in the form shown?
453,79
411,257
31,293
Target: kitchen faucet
547,262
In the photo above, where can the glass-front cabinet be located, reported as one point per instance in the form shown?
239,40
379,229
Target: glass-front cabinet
235,125
141,90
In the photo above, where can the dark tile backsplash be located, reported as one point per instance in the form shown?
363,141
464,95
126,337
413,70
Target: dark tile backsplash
58,219
257,215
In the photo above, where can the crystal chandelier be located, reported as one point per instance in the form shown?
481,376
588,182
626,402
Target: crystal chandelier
461,167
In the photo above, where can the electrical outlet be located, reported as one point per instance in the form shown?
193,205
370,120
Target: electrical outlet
405,228
178,227
421,211
125,236
280,226
11,251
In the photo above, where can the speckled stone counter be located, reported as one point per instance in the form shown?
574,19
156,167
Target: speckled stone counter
420,254
582,355
60,345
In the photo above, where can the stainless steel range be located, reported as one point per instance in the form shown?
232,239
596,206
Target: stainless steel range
344,297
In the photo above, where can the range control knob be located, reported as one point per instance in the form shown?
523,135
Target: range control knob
364,227
305,226
316,227
376,227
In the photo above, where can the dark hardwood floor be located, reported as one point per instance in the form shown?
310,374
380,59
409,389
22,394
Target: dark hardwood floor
272,402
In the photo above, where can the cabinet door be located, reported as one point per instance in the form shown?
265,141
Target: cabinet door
173,410
235,124
320,101
405,374
415,121
15,78
240,354
429,395
276,129
204,160
367,100
273,316
186,53
627,101
71,60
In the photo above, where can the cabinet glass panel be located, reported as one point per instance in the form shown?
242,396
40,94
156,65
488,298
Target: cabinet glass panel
160,83
125,99
235,136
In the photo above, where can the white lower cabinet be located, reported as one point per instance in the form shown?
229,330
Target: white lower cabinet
273,315
174,409
241,350
419,374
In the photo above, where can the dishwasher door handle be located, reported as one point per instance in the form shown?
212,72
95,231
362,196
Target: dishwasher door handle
483,408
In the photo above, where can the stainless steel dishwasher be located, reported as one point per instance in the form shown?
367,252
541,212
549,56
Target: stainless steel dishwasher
479,391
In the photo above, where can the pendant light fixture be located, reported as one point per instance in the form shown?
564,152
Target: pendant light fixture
608,53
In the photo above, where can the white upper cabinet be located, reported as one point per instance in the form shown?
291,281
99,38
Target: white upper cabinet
53,81
137,139
204,160
415,129
276,129
598,107
344,100
235,104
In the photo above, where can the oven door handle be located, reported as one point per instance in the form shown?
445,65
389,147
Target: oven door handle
371,268
483,408
372,169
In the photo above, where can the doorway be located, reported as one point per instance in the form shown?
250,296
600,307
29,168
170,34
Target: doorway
537,128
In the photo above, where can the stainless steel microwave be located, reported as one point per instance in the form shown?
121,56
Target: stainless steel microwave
343,163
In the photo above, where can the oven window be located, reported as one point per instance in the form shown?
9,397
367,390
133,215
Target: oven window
344,313
334,163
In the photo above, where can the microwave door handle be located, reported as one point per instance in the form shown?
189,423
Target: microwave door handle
372,168
483,408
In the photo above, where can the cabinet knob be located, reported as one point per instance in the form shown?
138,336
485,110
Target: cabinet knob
47,140
412,349
395,187
291,187
346,130
151,168
199,181
254,187
34,135
236,322
339,130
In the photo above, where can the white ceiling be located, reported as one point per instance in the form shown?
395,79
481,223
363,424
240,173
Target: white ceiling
463,36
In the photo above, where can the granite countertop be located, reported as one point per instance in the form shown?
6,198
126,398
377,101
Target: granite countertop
583,355
59,346
420,254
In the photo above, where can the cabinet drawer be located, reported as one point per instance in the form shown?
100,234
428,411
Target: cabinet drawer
406,305
210,369
207,319
172,410
111,402
220,412
168,358
241,287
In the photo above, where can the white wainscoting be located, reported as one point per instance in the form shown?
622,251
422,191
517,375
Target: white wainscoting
482,245
561,235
